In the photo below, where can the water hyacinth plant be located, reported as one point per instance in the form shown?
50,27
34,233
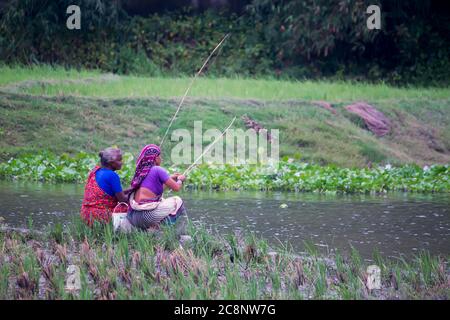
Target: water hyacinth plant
287,175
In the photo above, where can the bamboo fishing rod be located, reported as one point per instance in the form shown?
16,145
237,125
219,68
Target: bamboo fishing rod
189,87
207,148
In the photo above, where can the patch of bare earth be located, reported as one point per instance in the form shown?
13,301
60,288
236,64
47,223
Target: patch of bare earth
407,138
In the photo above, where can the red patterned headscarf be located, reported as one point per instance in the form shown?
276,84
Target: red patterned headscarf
144,163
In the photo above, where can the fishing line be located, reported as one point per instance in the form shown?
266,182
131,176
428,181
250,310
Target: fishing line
207,148
203,153
181,103
189,87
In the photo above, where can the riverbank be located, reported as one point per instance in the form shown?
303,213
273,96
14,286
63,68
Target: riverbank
90,111
205,266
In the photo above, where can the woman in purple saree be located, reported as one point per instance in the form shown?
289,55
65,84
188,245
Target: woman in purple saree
148,209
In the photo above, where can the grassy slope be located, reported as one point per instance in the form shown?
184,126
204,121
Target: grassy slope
67,111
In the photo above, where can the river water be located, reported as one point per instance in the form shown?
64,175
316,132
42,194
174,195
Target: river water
396,224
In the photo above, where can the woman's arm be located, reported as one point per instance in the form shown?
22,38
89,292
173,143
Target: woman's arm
175,185
128,191
121,196
175,176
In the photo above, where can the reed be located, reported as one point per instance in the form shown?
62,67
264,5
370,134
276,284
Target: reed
238,266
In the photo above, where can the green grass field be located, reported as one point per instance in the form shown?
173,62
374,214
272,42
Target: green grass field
13,74
216,88
45,108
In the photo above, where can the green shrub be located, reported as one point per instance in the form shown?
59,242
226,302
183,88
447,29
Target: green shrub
286,39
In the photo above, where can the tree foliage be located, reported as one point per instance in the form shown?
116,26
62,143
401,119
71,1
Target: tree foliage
286,38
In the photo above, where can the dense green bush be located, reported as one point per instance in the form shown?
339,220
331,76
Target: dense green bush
293,39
